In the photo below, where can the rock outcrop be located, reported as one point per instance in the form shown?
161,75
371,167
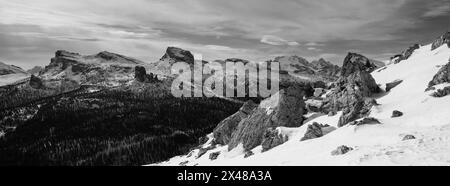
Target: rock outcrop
317,130
214,155
405,54
174,55
390,86
352,90
285,109
341,150
396,114
356,63
441,92
443,76
223,131
444,39
366,121
272,138
140,74
408,137
36,82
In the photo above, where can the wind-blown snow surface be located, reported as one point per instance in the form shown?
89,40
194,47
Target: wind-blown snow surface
425,117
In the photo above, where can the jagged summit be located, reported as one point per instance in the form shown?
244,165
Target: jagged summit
356,62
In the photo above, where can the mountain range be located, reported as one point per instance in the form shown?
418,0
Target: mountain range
109,109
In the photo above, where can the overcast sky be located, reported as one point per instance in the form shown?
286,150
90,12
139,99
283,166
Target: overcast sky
32,30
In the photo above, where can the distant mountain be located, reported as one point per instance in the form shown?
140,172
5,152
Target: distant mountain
104,68
11,74
313,71
35,70
6,69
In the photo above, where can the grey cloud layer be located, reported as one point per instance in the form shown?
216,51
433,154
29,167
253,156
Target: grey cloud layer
251,29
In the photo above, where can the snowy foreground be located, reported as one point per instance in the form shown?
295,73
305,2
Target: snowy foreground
425,117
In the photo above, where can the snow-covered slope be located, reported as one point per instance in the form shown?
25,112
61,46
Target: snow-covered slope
425,117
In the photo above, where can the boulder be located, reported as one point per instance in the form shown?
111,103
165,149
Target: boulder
443,76
441,92
314,131
214,155
224,130
408,137
390,86
272,138
248,154
366,121
396,114
341,150
36,82
444,39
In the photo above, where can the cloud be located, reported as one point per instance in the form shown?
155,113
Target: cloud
277,41
438,8
251,29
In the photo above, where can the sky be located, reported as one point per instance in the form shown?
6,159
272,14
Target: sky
258,30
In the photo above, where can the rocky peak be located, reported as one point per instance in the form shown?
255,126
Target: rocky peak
356,63
444,39
285,109
174,54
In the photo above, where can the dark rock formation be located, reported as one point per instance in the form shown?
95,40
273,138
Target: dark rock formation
396,114
175,54
405,54
409,137
390,86
443,76
356,63
366,121
352,89
444,39
341,150
314,131
272,138
214,155
140,74
203,151
441,92
36,82
223,131
283,110
248,154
